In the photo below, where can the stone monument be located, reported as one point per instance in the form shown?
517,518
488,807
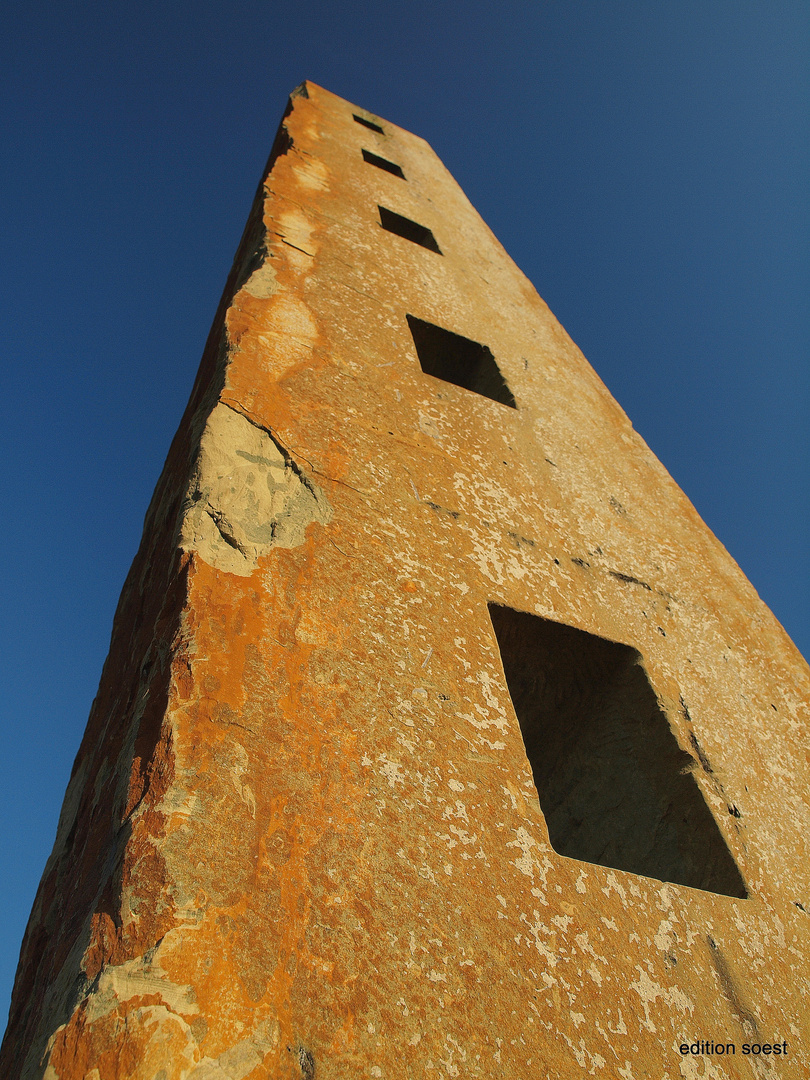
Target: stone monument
439,737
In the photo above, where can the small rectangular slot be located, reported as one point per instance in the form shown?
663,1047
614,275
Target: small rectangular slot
615,787
459,360
383,163
410,230
368,123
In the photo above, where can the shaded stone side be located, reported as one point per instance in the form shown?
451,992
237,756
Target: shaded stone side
92,908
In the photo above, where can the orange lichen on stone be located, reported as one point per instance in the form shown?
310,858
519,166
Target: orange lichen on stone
302,837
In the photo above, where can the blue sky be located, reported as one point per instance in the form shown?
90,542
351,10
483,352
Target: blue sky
645,164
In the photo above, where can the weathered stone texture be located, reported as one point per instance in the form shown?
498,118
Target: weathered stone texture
301,837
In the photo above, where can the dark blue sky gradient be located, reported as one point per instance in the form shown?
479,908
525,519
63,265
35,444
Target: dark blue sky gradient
645,164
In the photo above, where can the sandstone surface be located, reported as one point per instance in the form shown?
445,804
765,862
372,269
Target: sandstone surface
302,836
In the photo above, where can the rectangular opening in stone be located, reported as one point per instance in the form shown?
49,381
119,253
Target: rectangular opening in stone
614,785
459,360
410,230
368,123
383,163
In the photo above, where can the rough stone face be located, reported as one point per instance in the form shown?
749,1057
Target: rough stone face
245,496
302,836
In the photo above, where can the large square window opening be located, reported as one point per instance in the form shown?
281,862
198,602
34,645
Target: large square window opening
615,787
458,360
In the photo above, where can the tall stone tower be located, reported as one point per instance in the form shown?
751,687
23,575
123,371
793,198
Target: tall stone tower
438,737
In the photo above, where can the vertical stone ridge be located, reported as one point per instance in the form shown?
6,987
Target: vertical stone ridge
124,765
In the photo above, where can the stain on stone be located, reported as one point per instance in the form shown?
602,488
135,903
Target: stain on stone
731,989
441,509
629,579
705,764
306,1062
199,1028
521,541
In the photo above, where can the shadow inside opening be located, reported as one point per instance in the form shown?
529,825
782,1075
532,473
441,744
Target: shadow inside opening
614,785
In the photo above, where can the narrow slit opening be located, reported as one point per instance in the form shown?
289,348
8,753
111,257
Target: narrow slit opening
459,360
614,786
409,230
383,163
368,123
